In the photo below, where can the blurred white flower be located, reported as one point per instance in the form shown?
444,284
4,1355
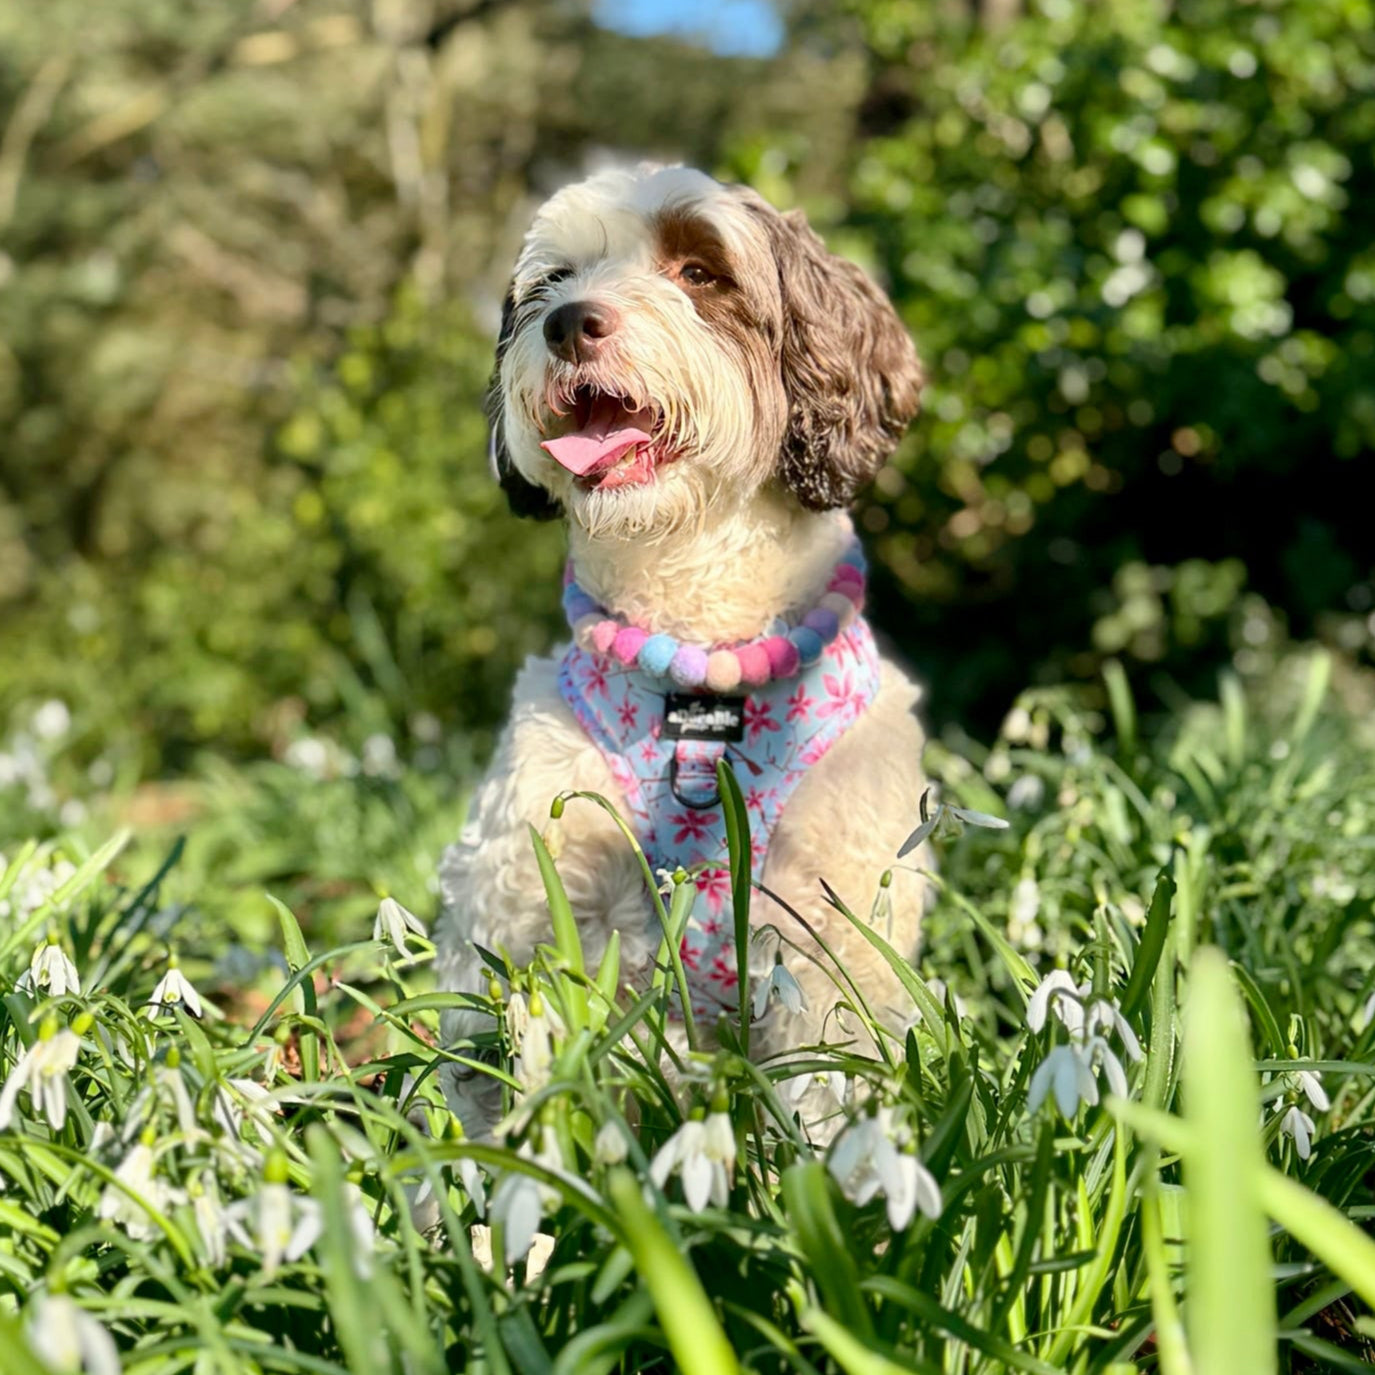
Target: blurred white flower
173,988
1311,1084
50,969
537,1045
66,1338
137,1188
1059,994
519,1201
208,1209
1027,792
781,983
379,756
52,720
873,1156
1300,1126
393,923
43,1069
609,1148
275,1223
703,1155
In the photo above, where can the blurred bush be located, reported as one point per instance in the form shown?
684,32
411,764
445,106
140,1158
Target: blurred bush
1133,243
249,257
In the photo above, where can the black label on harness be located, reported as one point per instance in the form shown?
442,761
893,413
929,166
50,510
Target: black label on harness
690,716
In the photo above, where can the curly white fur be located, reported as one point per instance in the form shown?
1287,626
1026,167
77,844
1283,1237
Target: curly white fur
775,397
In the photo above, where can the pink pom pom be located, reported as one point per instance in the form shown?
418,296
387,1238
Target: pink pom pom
627,644
604,636
688,667
723,671
754,664
848,580
783,656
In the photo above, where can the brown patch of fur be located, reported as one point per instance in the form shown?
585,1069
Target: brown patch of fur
850,370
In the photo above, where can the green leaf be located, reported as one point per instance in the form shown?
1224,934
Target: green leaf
824,1243
1149,949
1231,1306
689,1322
741,858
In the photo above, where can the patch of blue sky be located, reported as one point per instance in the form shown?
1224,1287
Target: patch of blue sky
733,28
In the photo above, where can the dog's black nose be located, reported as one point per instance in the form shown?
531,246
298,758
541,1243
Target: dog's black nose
574,331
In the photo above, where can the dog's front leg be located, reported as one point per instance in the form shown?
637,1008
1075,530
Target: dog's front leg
490,887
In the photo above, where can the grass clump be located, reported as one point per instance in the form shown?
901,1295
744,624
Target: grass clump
232,1162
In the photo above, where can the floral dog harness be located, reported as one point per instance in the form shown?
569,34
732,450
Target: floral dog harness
662,745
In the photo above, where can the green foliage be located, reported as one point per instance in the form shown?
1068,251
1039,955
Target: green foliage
257,1191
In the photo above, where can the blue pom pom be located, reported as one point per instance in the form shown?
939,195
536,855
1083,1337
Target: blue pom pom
808,642
855,558
576,602
656,654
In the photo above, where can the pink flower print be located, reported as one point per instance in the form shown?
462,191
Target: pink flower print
723,970
844,698
648,751
712,926
621,772
714,885
628,713
594,676
691,826
689,953
759,848
800,704
815,750
759,718
755,799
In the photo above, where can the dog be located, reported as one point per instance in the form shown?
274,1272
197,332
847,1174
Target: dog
695,384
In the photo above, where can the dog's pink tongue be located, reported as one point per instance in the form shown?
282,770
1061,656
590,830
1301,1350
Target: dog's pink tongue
609,432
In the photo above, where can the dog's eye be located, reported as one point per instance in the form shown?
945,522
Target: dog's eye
696,274
554,277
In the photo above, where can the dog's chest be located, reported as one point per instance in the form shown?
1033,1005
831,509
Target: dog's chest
662,747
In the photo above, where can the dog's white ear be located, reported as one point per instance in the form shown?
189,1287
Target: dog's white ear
524,497
851,373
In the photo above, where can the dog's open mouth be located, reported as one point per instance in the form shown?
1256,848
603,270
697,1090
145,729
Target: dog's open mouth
609,444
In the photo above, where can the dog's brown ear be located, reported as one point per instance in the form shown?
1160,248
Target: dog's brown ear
523,496
850,371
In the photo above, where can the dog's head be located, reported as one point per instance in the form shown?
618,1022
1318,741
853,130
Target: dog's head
668,340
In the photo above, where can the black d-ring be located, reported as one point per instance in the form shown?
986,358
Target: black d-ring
687,801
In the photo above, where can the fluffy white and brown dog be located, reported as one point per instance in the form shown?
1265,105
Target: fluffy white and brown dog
700,388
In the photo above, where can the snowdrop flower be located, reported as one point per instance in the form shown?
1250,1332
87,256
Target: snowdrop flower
782,983
66,1338
1104,1015
394,922
1311,1084
1300,1126
1070,1071
275,1222
42,1069
537,1045
703,1154
135,1191
1057,993
519,1201
51,969
1027,792
209,1212
52,720
609,1148
173,988
869,1157
796,1087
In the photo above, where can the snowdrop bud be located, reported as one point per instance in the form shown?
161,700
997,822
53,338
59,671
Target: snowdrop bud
609,1148
494,989
886,879
556,809
82,1023
553,839
276,1168
173,1057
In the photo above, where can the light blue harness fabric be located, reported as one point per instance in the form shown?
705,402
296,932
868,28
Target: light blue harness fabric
669,786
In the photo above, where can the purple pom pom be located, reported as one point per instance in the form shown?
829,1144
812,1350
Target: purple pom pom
825,623
688,667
